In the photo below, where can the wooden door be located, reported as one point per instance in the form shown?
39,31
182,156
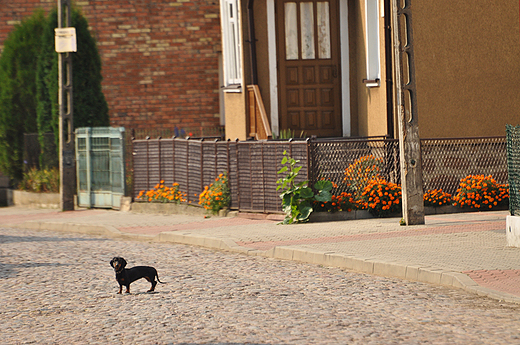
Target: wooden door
308,66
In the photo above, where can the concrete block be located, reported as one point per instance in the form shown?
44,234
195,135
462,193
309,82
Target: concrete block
412,271
32,225
430,275
310,256
126,204
338,260
363,265
172,237
52,226
390,269
460,280
513,231
212,242
284,253
447,278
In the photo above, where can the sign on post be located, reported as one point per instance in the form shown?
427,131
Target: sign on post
65,40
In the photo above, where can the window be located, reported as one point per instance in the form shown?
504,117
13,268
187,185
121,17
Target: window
372,43
231,44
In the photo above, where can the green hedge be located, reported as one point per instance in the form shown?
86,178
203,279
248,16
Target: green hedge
29,86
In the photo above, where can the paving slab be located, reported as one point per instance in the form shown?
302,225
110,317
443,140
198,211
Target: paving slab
465,250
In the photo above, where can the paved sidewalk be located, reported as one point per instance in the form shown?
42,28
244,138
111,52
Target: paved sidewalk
464,250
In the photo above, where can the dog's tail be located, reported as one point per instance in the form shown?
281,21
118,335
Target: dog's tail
157,275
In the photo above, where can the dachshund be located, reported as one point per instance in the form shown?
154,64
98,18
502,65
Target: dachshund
126,276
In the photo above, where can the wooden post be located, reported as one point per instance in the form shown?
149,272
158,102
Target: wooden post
66,124
409,141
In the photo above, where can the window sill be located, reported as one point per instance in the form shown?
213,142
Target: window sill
372,82
232,88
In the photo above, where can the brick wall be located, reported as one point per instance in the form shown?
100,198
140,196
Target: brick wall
160,57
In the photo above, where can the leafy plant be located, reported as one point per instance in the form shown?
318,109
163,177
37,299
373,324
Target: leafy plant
288,134
479,191
162,193
382,197
216,196
298,198
41,181
437,198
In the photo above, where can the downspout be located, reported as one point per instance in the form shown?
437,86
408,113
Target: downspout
389,71
252,41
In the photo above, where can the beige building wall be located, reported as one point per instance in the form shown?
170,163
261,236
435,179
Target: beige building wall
467,56
368,105
235,103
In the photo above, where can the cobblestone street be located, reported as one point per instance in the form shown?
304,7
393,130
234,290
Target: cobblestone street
58,288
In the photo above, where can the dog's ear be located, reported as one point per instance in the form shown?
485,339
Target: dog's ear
112,262
123,263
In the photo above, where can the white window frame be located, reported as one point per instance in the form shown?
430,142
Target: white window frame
372,37
231,45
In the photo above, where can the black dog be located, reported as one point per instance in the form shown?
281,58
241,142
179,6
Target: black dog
126,276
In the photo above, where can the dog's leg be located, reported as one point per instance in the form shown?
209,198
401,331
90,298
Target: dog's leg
153,282
120,289
128,288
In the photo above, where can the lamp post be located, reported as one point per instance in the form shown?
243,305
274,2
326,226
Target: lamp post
66,44
409,141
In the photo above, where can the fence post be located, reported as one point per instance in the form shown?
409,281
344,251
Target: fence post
173,158
188,168
201,164
263,176
238,174
160,158
309,162
147,163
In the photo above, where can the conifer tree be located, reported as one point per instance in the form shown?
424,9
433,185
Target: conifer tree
18,65
90,108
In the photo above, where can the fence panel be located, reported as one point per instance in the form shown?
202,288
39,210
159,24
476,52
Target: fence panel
446,161
252,166
513,168
329,159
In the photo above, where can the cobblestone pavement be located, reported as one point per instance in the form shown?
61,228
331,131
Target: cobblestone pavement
58,288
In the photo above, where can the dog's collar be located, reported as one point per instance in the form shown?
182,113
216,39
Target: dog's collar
121,270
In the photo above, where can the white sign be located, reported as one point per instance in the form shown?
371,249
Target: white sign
65,40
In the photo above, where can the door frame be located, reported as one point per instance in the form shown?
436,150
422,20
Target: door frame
344,60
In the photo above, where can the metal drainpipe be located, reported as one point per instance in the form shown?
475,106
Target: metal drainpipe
252,41
389,71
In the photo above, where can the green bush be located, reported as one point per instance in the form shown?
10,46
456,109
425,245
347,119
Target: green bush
41,181
18,101
29,86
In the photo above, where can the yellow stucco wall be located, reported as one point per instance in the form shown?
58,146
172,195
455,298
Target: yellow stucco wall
467,56
369,104
235,103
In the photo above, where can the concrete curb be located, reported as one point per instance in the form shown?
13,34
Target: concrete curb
424,274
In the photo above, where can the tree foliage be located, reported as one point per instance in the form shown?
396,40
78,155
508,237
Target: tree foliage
18,101
90,108
29,85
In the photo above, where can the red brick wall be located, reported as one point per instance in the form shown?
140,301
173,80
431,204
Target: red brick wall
160,57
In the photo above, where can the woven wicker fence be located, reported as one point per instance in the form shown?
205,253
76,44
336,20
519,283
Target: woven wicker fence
513,165
252,165
252,168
